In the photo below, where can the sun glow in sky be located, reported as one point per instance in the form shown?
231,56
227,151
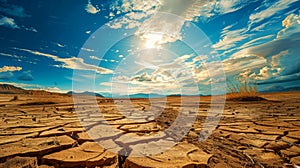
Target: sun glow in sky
153,40
43,43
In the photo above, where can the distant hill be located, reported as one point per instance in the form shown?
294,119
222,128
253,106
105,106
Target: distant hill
133,96
281,89
10,89
180,95
292,89
143,95
85,93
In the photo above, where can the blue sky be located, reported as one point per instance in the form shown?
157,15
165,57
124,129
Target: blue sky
143,46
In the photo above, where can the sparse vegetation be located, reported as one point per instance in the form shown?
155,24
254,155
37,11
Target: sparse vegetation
36,103
14,98
244,91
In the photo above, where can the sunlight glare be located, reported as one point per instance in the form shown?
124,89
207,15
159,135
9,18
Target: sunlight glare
153,40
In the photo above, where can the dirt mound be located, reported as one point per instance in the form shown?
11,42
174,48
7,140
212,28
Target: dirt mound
10,89
255,98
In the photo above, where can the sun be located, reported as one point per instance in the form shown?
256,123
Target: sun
152,40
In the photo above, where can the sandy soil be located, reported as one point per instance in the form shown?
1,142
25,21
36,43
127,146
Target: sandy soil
45,131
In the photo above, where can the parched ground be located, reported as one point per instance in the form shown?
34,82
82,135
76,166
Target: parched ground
46,131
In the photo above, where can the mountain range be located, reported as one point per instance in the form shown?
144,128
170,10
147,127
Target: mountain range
85,93
10,89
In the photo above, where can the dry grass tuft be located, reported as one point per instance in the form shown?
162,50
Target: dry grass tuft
244,91
15,98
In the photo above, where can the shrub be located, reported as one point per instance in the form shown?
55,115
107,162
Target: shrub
14,98
242,90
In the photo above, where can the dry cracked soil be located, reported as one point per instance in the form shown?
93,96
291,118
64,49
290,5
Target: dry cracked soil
49,130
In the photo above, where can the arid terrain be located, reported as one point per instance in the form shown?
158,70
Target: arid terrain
43,130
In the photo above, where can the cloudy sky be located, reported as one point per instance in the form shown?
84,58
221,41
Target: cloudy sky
143,46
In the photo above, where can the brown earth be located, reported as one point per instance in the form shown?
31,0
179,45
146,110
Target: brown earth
44,130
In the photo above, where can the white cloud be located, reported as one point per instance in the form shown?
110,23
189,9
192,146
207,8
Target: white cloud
228,6
215,71
273,9
256,41
291,20
10,69
26,76
124,22
291,25
235,65
6,75
202,58
134,10
167,72
282,79
10,55
113,60
54,89
242,50
141,78
227,42
6,55
209,9
264,26
158,78
94,58
170,31
8,22
284,40
230,38
90,8
137,13
60,45
30,29
87,49
181,73
236,40
280,53
71,63
264,73
273,69
13,10
134,87
136,16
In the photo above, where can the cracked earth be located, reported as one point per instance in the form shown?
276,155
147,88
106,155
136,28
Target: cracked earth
49,131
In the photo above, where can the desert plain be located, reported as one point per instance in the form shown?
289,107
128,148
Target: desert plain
42,129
